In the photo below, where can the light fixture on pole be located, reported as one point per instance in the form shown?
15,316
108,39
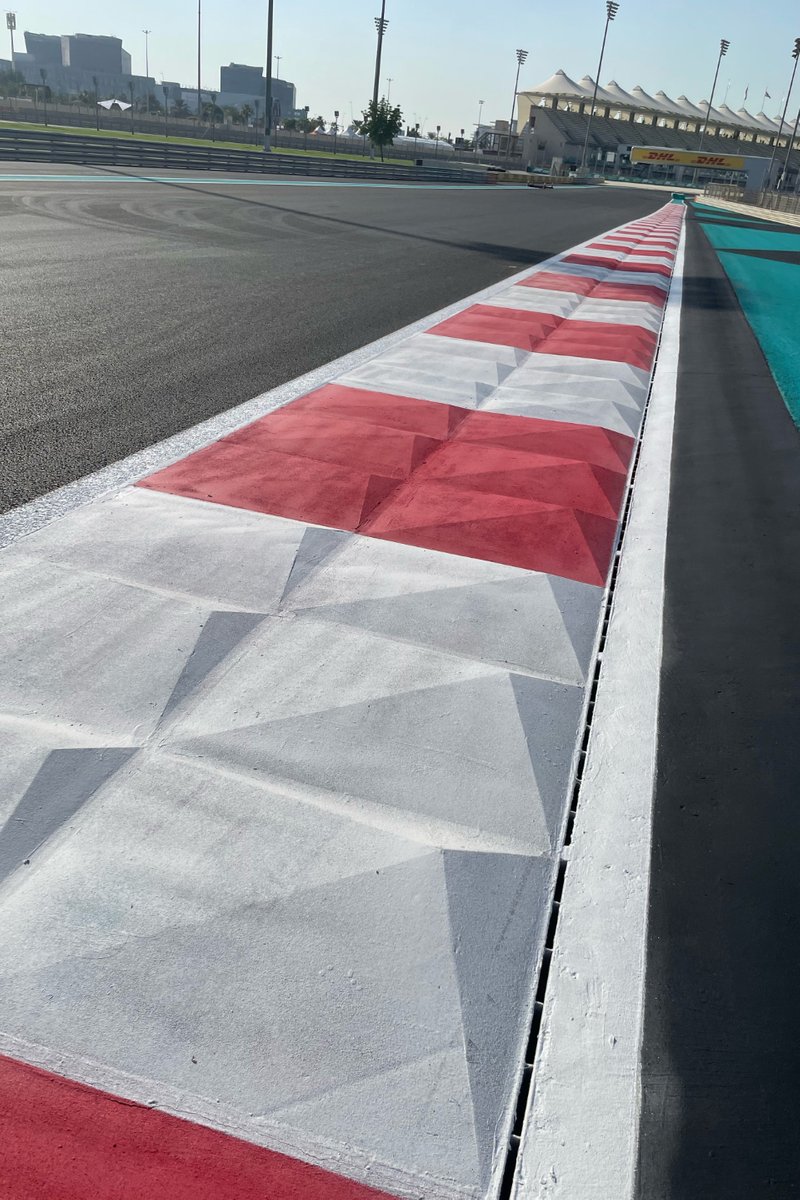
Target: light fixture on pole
268,86
723,50
381,24
165,89
11,25
612,8
335,129
388,88
278,68
521,56
436,150
478,126
795,56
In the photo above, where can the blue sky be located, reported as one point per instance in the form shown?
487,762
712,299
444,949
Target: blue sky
446,55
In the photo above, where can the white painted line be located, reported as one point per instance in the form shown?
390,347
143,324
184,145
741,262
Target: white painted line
581,1130
39,512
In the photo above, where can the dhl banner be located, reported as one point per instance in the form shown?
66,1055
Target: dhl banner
686,158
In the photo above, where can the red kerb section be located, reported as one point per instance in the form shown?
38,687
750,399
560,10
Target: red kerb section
548,334
613,264
544,495
64,1141
579,285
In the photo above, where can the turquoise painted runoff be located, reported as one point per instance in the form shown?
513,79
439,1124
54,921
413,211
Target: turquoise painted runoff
769,293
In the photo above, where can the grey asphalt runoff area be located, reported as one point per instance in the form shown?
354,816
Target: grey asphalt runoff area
133,310
721,1052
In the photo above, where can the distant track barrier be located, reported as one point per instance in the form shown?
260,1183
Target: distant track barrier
785,202
35,147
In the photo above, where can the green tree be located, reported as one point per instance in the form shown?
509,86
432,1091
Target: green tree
214,110
246,112
382,123
12,83
290,123
179,107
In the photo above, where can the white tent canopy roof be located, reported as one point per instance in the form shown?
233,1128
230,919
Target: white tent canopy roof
767,122
690,110
746,118
620,96
560,85
730,115
667,103
713,114
603,97
648,102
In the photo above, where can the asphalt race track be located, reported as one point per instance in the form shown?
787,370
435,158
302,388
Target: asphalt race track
133,310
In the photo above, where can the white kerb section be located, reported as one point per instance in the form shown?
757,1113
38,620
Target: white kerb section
580,1138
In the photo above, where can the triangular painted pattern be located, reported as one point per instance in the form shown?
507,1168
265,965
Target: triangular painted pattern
280,803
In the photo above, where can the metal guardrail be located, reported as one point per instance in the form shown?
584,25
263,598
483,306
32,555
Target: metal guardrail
152,125
32,147
771,201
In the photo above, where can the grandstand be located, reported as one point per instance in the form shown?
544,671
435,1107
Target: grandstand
559,110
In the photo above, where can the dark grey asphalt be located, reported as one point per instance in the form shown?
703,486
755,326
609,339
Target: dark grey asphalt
721,1053
131,311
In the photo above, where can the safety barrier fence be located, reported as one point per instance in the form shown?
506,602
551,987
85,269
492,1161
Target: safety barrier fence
773,201
247,135
30,146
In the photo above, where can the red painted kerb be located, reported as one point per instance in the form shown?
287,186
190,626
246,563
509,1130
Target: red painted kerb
61,1140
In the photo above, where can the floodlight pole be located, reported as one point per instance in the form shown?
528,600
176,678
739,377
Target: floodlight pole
790,147
795,56
723,50
521,56
199,20
268,88
612,8
381,25
11,25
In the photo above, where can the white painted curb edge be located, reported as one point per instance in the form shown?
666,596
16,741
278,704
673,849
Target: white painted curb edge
580,1139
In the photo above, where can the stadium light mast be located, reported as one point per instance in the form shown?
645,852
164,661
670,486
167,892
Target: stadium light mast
11,25
795,56
199,24
521,56
478,126
612,8
268,84
723,50
381,24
